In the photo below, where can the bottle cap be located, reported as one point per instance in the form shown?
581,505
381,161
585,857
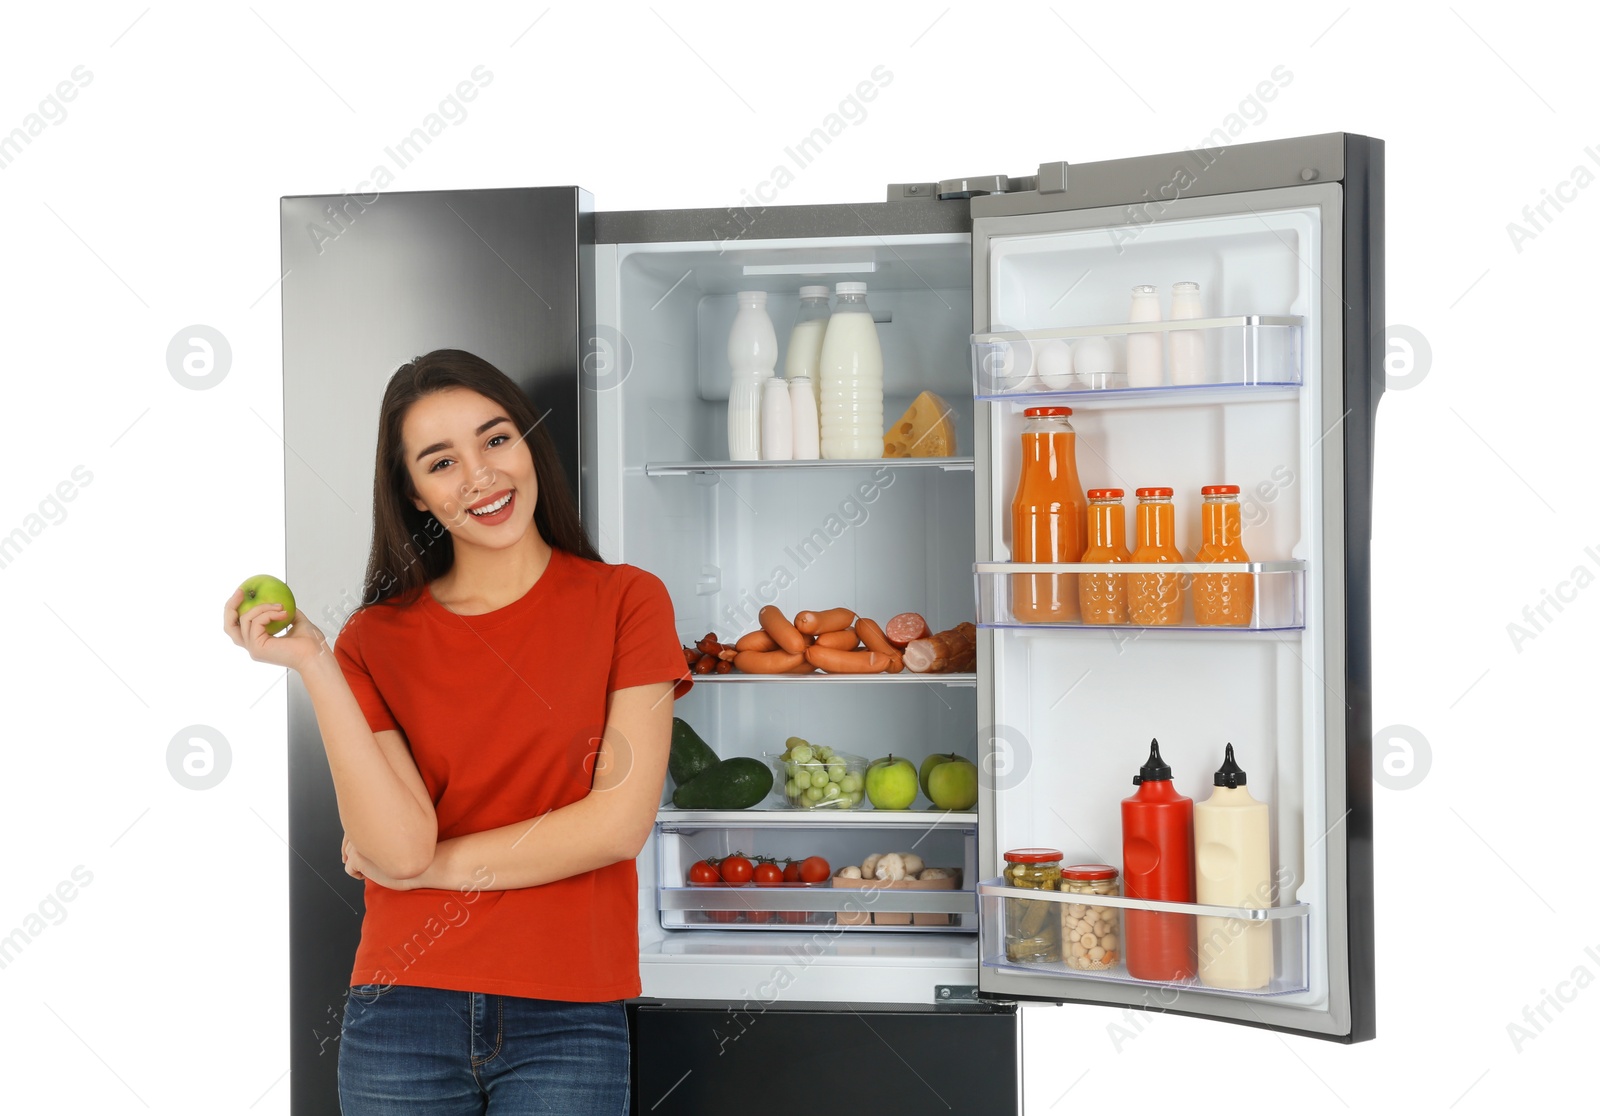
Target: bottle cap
753,298
1185,288
1105,493
1230,774
1037,412
1154,493
1155,768
1089,872
1033,856
1220,490
1145,289
850,288
813,292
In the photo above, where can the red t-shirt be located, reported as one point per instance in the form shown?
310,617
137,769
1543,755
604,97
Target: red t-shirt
501,711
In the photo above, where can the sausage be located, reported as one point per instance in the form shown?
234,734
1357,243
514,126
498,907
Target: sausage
757,640
842,640
802,667
846,662
705,664
873,636
904,628
767,662
815,623
783,633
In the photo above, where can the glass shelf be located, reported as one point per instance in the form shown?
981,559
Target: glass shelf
686,468
904,678
1248,351
1219,935
1276,591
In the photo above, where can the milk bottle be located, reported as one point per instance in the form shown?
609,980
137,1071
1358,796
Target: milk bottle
1233,868
753,354
851,364
805,343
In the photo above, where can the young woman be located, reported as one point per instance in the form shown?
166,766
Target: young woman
497,724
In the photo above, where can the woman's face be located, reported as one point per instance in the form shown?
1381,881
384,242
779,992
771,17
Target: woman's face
465,457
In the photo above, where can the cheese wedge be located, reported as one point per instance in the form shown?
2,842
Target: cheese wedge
927,429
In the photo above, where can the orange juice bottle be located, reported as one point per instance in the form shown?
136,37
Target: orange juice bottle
1222,599
1047,518
1103,598
1155,598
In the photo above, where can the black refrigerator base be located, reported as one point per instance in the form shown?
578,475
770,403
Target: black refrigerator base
694,1059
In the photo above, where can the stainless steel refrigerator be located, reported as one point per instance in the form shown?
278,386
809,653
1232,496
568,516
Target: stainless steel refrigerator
616,324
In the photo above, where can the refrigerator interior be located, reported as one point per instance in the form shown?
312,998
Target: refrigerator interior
1077,706
726,538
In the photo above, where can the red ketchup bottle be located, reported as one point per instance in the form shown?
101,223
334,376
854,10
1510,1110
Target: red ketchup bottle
1158,863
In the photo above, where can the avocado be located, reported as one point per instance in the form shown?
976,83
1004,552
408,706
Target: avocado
733,784
690,755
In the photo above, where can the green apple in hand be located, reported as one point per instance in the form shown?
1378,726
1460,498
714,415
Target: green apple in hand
929,764
891,783
266,589
953,785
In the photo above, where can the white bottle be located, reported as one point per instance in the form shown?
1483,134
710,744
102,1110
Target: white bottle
851,418
805,342
803,414
777,423
1233,868
1188,345
1144,349
753,354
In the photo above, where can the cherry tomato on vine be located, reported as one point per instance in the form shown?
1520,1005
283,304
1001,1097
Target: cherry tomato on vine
813,869
791,872
737,870
767,874
701,874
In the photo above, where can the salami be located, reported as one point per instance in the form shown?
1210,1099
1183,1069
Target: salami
904,628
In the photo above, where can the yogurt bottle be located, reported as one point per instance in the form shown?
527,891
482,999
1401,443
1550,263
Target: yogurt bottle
805,341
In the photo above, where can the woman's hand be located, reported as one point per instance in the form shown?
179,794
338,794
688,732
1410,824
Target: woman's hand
359,867
296,648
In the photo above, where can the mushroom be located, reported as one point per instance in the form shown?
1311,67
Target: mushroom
890,867
850,872
914,863
934,874
870,865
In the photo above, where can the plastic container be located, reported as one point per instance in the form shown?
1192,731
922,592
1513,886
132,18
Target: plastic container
1155,599
1033,928
777,421
1158,863
1103,598
806,445
1188,346
840,781
1226,599
1048,517
1091,936
851,366
1233,868
752,355
1144,349
804,355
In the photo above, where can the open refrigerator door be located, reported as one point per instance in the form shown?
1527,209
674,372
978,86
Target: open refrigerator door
1263,378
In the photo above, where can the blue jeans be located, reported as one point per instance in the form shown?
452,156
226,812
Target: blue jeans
414,1050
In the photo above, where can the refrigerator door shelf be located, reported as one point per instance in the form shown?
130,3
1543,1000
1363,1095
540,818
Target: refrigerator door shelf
1215,930
1255,351
1277,593
684,468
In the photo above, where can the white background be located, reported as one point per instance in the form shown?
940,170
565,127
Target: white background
153,206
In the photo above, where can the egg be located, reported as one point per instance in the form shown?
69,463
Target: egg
1052,362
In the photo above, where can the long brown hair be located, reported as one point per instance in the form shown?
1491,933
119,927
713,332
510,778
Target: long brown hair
410,547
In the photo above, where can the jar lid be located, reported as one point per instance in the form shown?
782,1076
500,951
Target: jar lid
1148,493
1105,493
1220,490
814,292
850,288
1036,412
1033,856
1089,872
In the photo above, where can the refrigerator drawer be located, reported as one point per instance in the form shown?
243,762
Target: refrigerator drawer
1224,951
945,841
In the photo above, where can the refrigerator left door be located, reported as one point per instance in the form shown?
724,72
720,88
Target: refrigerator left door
369,282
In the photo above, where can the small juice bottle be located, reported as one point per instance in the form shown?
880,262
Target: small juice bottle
1155,599
1047,518
1103,598
1225,598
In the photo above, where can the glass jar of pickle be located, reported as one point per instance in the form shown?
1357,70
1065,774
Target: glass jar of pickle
1091,936
1033,928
